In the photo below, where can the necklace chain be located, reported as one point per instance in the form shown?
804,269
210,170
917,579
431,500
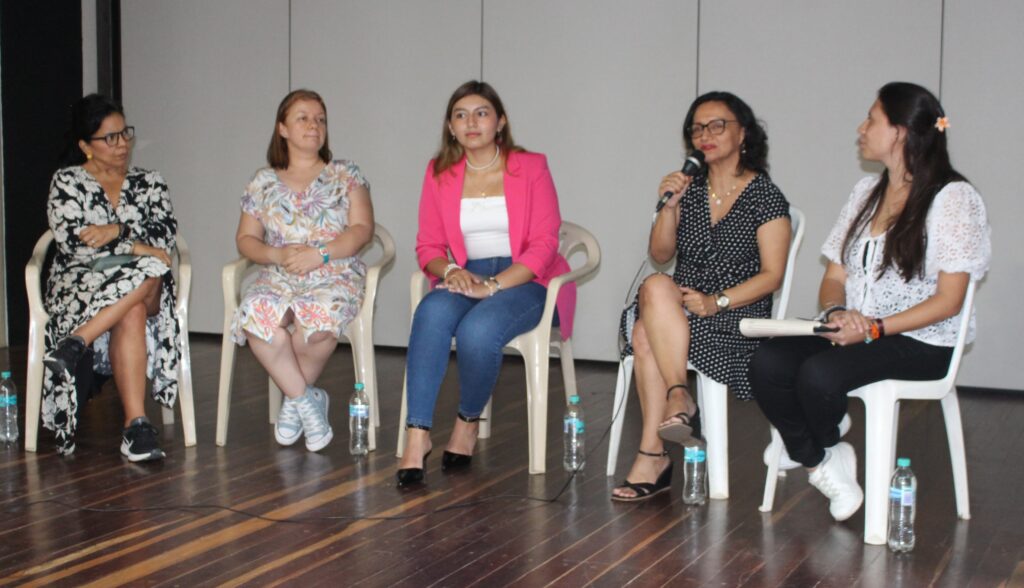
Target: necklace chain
718,199
497,154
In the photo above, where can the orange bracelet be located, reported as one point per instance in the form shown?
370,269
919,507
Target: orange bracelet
875,332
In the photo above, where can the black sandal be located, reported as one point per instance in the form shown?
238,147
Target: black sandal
645,490
688,430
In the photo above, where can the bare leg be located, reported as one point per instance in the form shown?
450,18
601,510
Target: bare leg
650,388
668,333
463,438
128,360
312,355
278,358
417,444
111,315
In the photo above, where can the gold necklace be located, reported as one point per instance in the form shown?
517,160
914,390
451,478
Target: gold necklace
718,199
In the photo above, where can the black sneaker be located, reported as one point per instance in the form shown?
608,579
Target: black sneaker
140,441
64,359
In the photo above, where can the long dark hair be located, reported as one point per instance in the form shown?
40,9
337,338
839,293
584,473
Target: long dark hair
754,151
87,115
451,151
926,160
277,151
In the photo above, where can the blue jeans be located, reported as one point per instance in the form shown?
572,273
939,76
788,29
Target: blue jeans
481,329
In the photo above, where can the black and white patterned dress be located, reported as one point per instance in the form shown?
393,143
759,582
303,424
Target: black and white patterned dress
710,259
75,293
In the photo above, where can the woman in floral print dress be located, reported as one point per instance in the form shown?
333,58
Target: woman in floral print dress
304,218
100,207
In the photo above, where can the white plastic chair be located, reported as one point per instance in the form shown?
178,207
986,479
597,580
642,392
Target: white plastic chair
881,416
181,270
535,346
712,396
359,334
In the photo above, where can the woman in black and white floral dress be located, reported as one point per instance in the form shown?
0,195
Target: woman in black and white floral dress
110,288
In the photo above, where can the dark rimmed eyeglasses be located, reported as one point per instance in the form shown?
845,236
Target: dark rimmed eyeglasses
127,133
715,127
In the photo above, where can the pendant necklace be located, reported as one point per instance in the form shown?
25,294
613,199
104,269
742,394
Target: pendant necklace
718,199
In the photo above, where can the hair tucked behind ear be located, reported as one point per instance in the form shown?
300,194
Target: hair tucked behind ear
926,160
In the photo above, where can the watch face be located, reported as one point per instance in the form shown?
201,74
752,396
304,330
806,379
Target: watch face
723,301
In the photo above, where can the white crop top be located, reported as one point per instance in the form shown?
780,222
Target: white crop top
484,224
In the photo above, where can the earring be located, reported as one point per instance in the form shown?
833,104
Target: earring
743,149
88,156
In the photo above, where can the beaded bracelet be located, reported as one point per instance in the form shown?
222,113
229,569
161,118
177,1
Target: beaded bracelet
451,267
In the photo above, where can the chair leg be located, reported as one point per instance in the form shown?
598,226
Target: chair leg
34,384
535,356
879,430
274,399
401,418
484,427
568,368
227,366
957,453
715,415
619,411
772,477
185,398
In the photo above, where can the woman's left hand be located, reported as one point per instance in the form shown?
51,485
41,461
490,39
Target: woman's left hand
698,303
853,327
301,259
97,236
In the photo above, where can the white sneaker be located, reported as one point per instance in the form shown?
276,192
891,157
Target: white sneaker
836,478
313,411
288,429
787,463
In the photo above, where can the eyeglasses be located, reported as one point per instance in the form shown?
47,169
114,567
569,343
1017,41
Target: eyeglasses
715,127
127,133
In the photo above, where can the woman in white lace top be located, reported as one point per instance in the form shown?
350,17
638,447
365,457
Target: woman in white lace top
900,257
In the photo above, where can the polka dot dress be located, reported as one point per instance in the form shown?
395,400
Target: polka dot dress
714,258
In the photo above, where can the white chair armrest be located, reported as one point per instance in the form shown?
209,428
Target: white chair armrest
33,272
184,274
231,282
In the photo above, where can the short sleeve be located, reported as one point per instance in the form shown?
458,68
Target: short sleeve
355,175
771,205
832,249
959,235
252,197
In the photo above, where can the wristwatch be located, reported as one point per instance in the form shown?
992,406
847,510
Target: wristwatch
722,301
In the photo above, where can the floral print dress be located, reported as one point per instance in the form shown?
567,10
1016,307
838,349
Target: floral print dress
75,293
325,299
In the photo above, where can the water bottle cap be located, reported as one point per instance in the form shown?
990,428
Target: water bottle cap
903,462
359,386
574,399
5,375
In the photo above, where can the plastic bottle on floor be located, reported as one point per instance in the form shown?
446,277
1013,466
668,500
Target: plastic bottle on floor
359,422
8,409
573,438
902,506
695,476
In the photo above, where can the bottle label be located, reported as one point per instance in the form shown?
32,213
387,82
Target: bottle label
359,410
8,400
904,496
571,423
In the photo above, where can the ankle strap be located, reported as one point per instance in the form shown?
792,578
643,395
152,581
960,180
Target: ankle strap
671,388
664,452
467,419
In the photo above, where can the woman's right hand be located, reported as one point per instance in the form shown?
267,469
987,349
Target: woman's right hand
142,250
677,183
461,281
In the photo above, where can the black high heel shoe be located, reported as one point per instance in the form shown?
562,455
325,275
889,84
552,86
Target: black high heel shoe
451,462
412,476
645,490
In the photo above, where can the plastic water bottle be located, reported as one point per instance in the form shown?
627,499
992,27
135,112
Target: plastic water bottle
902,505
8,409
695,476
574,440
359,422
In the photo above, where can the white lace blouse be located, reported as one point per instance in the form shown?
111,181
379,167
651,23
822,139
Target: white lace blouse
958,241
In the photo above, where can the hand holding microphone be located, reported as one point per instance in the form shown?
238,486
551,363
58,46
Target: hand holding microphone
673,185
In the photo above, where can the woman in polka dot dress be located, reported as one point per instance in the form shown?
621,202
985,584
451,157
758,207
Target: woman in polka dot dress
728,228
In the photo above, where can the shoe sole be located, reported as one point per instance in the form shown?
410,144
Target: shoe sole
678,433
137,457
285,441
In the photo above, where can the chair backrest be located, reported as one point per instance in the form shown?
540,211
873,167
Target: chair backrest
573,238
961,335
798,226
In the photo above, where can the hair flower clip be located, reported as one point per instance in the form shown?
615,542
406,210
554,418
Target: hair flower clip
942,123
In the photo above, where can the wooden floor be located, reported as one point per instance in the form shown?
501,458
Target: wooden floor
485,534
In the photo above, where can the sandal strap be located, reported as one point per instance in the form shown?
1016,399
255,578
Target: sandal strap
641,488
467,419
671,388
664,453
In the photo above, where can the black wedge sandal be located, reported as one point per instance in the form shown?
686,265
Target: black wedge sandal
451,462
688,430
646,490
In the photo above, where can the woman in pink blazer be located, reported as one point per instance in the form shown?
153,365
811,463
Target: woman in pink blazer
488,240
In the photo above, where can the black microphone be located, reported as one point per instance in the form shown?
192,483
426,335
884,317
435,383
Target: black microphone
691,167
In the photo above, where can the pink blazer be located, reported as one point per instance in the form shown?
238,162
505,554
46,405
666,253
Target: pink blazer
533,223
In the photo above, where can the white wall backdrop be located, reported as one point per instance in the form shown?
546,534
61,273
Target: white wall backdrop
601,87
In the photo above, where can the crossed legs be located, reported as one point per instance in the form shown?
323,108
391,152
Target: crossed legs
293,360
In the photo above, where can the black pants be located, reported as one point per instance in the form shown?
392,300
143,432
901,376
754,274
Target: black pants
801,383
